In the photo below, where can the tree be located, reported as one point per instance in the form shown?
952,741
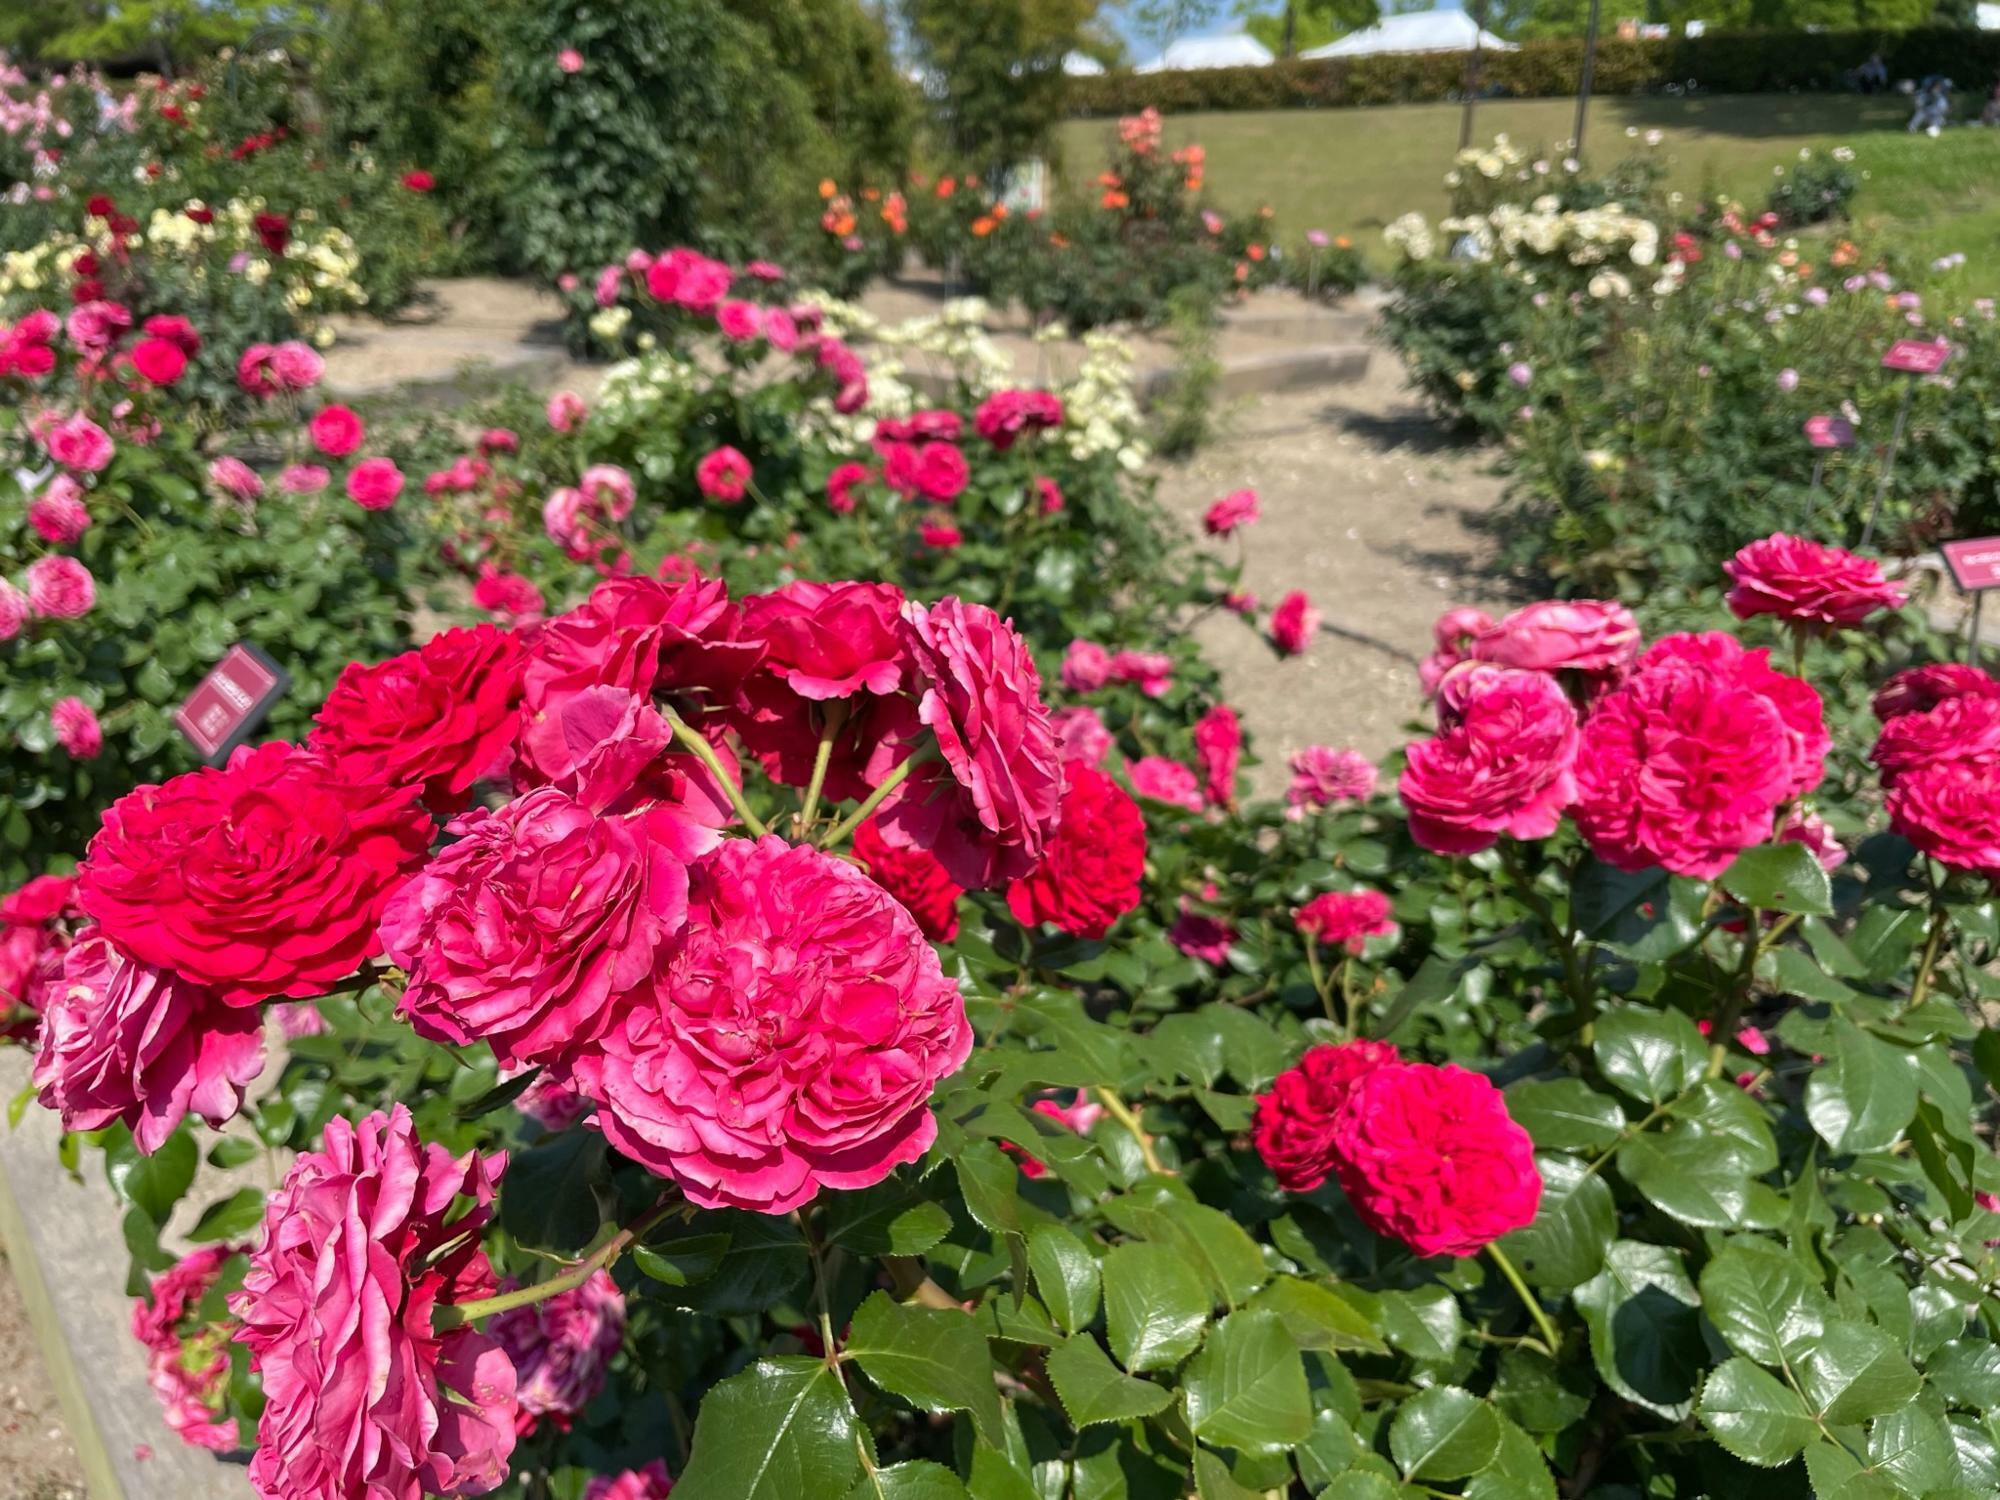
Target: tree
1300,25
1162,22
162,33
992,71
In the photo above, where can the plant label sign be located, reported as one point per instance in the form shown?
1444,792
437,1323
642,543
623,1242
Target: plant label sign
1916,356
1974,563
230,702
1829,432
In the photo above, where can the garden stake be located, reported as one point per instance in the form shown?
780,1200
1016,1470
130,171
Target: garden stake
1889,463
1972,636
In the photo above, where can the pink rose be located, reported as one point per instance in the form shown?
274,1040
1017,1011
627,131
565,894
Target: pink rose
1951,811
1293,1128
841,485
1590,636
1454,633
1158,779
508,595
15,610
1081,735
1915,689
1720,654
1294,623
76,728
303,479
988,806
1005,416
364,1395
723,475
1807,584
739,321
689,280
58,514
374,483
336,431
1232,512
1325,777
1812,831
1345,919
79,444
1957,729
125,1041
648,1483
569,60
781,332
791,1041
566,410
522,931
60,587
1204,937
942,472
1152,672
235,478
1503,766
295,367
609,488
187,1357
1218,743
562,1347
1086,667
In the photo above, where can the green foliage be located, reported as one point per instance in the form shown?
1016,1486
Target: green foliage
998,83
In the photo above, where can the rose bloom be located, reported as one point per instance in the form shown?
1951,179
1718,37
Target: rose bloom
1048,495
438,717
841,485
988,805
914,878
1090,874
363,1394
295,367
1233,511
648,1483
1453,633
942,473
79,444
1200,936
1081,735
1152,672
1812,831
1957,729
14,610
59,516
175,330
1294,623
552,1103
265,878
1915,690
60,587
336,431
1158,779
123,1040
35,924
566,410
1720,654
1325,777
723,476
1591,636
303,479
1079,1116
1004,416
1951,811
187,1360
739,321
1293,1127
562,1347
610,488
235,478
1086,667
508,595
159,361
1503,766
522,931
374,483
76,728
569,60
790,1042
1345,919
1430,1156
417,180
1218,742
1807,584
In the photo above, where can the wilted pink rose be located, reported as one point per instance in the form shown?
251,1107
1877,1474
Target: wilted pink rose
566,409
364,1395
1081,735
76,728
1158,779
522,931
235,478
1086,667
1218,742
1233,511
648,1483
1294,623
562,1347
122,1040
60,587
723,475
988,806
79,444
1325,777
374,483
1590,636
303,479
790,1042
187,1358
1808,584
1503,767
1152,672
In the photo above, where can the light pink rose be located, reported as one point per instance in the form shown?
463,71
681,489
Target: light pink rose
1086,667
565,410
58,513
80,445
569,60
1152,672
235,478
60,587
295,367
1158,779
14,610
77,729
303,479
610,488
1325,777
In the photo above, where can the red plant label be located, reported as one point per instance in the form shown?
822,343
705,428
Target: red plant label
230,702
1829,432
1916,356
1974,562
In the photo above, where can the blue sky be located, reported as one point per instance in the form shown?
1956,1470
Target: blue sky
1225,22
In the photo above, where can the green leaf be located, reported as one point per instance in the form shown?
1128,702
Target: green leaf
766,1261
1444,1433
1912,1447
1518,1471
1539,1394
499,1096
932,1358
1646,915
1690,1176
152,1184
1966,1372
1645,1326
239,1213
1762,1302
918,1479
1425,1323
1246,1389
780,1430
1095,1390
549,1199
1066,1274
1864,1095
231,1151
1207,1238
1213,1481
1154,1306
684,1261
1564,1246
1319,1320
1651,1055
990,1183
1754,1415
1565,1114
1780,877
891,1218
1855,1371
1835,1475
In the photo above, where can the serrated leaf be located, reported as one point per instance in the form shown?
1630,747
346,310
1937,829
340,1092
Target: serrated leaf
1912,1447
1565,1114
891,1218
1444,1433
934,1359
780,1430
1695,1178
1518,1471
1855,1371
918,1479
152,1184
1319,1320
1762,1302
1780,877
1754,1415
1651,1055
1863,1096
225,1219
1837,1475
1645,1326
1246,1389
1066,1274
1155,1306
1576,1219
1093,1390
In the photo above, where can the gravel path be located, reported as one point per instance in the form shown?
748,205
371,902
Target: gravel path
36,1459
1368,506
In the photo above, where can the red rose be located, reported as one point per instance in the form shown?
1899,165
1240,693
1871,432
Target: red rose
419,181
1294,1123
1957,729
159,361
1915,689
439,717
275,230
1006,415
260,880
1345,919
914,878
1807,584
987,808
336,431
1090,874
1505,766
1951,811
1218,742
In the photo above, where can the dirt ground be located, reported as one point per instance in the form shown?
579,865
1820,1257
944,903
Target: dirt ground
1367,506
36,1459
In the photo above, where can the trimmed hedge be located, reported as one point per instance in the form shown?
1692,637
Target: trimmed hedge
1753,62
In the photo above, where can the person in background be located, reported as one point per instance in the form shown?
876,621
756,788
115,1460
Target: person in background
1933,105
1991,114
1873,75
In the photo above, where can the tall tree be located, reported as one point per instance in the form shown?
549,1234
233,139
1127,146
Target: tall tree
1161,23
1300,25
992,71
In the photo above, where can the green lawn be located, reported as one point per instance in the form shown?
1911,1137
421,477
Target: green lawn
1353,170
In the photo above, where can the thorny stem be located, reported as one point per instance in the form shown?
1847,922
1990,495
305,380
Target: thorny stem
1321,987
1125,1115
1933,940
452,1316
705,753
1528,1300
860,814
836,715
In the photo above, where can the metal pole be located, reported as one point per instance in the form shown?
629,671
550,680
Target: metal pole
1472,62
1583,83
1972,641
1888,464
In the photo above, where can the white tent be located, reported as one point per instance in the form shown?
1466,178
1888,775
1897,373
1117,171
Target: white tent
1989,17
1081,65
1417,31
1235,51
